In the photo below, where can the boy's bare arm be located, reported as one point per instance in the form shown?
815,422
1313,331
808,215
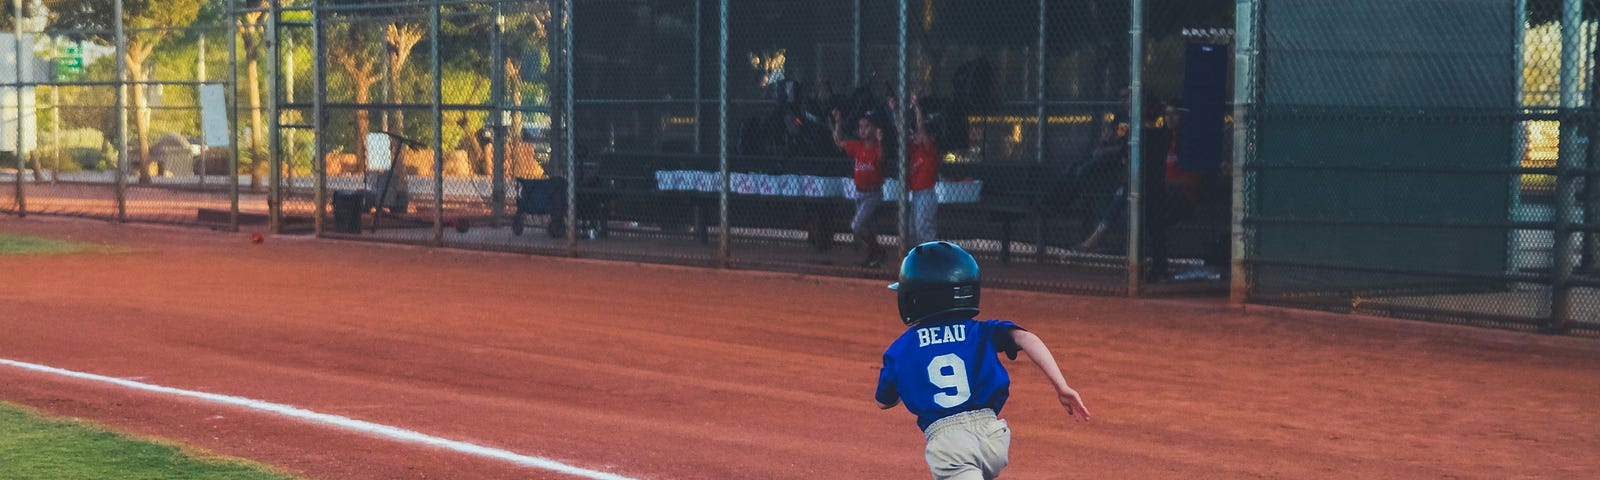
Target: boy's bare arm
838,132
1040,355
916,110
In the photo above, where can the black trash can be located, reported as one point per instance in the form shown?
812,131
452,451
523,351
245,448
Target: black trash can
347,208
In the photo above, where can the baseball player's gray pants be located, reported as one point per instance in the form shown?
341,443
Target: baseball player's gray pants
866,205
968,446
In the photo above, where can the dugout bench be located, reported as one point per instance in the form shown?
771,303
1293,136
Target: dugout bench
622,186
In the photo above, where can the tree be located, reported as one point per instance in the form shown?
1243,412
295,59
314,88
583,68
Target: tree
350,47
252,33
524,40
148,23
398,40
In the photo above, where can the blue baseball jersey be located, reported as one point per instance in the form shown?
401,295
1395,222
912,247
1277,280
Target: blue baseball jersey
947,368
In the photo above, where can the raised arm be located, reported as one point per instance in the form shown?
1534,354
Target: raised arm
1040,355
838,130
916,112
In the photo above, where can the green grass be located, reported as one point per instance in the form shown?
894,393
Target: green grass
15,245
35,448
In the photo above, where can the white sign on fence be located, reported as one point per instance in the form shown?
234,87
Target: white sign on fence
378,154
214,114
8,119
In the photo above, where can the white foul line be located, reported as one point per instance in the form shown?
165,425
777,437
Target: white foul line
395,433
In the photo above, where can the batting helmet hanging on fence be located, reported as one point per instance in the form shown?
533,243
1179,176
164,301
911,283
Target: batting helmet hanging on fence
937,280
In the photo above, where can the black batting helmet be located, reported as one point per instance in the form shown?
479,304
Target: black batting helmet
937,280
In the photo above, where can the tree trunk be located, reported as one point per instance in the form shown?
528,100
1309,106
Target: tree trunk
514,131
258,129
399,125
141,122
363,120
399,39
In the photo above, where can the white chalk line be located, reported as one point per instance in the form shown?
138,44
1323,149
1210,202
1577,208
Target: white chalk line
381,430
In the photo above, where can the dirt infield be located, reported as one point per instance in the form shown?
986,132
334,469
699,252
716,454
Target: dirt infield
672,372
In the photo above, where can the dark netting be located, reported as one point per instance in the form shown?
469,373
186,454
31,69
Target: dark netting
635,85
1415,162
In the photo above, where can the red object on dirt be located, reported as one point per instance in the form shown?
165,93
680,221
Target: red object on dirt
255,237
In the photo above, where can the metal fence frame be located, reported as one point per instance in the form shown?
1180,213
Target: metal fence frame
122,84
1574,112
564,104
310,18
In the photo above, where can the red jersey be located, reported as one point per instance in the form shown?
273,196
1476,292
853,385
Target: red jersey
924,165
1188,182
869,165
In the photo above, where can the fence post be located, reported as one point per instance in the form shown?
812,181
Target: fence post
722,128
21,156
122,116
233,116
1039,131
22,163
572,161
1135,125
55,132
699,87
1039,96
274,149
902,212
319,117
200,76
855,44
1244,91
496,121
1567,162
438,123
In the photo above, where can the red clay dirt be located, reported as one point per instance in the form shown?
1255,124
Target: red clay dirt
670,372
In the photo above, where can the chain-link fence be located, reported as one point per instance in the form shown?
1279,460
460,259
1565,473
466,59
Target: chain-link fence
691,131
119,110
1416,158
1022,154
1423,159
